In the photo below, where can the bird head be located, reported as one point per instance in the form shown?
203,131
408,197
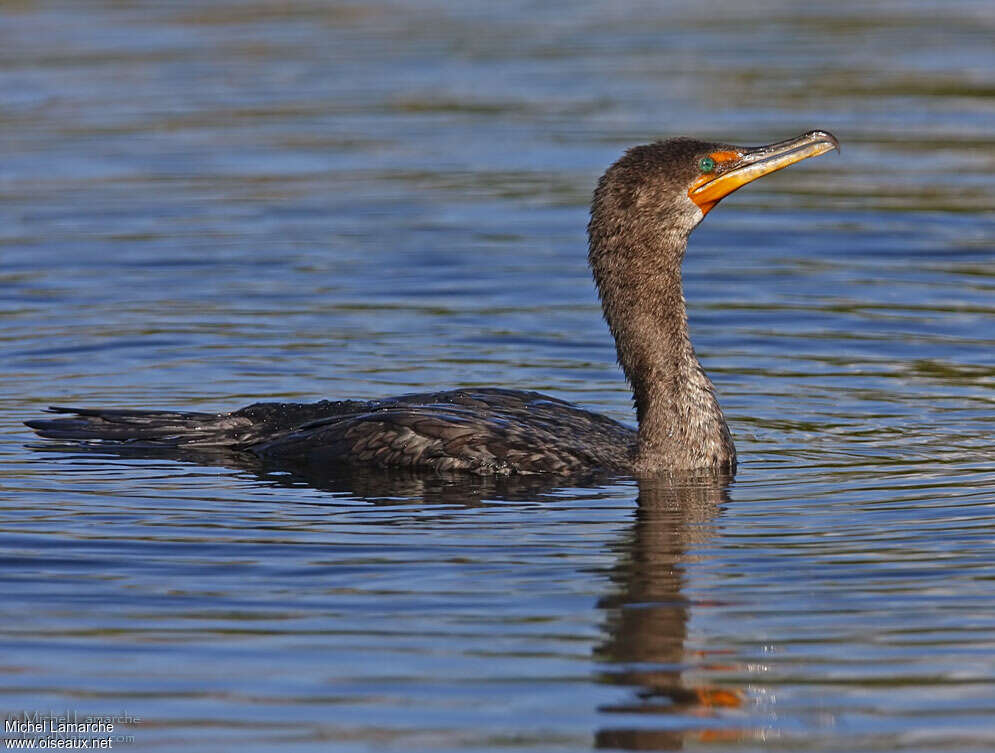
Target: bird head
671,185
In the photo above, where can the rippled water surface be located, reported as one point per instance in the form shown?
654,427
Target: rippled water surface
204,204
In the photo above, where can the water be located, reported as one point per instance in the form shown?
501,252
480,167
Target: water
204,204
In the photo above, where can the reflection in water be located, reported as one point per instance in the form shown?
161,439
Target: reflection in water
647,614
460,489
646,611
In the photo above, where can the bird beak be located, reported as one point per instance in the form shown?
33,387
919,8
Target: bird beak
737,166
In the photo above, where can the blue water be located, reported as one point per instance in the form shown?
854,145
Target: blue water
203,204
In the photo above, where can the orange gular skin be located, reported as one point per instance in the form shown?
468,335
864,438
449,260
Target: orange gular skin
736,168
719,158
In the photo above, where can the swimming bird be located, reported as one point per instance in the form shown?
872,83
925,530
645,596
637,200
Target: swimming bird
644,209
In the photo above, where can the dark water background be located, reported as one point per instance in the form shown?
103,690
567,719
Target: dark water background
204,204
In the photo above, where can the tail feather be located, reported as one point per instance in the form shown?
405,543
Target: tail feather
149,428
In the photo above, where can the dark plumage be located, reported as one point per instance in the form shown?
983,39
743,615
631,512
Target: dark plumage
644,208
485,431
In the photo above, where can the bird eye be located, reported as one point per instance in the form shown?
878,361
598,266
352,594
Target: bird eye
706,164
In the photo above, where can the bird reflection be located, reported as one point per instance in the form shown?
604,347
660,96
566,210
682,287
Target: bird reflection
646,611
646,614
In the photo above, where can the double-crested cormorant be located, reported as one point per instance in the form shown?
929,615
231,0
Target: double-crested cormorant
645,207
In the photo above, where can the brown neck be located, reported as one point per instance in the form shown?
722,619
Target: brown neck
680,423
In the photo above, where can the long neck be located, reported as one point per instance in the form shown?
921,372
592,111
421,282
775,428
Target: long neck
680,423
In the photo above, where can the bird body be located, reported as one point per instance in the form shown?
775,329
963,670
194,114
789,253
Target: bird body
644,209
484,431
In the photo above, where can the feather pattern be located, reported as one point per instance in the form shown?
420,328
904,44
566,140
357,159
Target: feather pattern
485,431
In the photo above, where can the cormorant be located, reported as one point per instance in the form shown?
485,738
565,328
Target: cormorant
645,207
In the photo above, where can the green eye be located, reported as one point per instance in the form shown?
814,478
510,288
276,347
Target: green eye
706,164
